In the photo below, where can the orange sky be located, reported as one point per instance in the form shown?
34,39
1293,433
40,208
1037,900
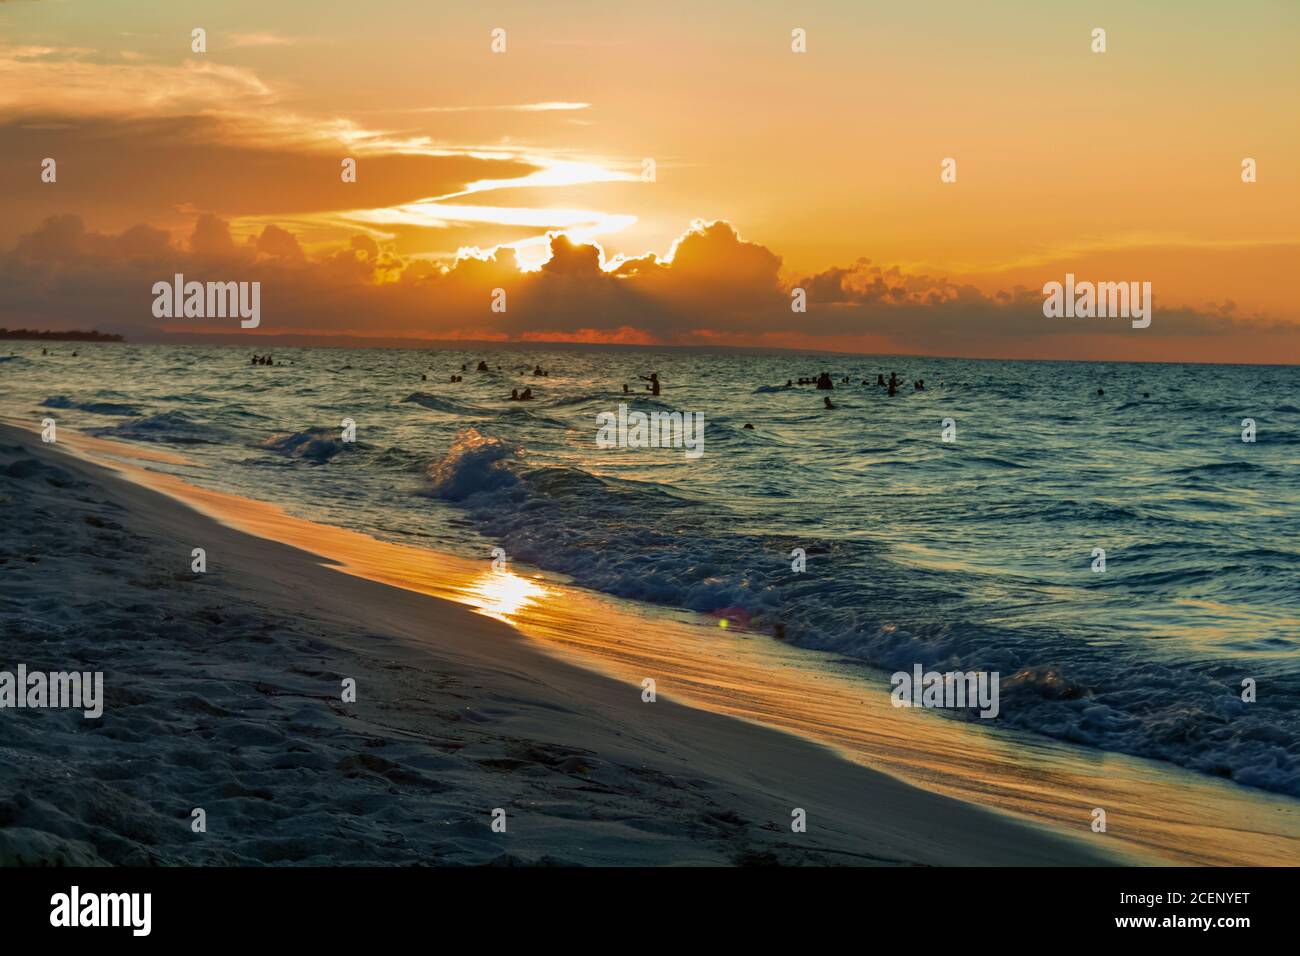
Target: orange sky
1115,166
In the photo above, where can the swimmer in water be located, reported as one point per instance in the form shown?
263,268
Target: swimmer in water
829,403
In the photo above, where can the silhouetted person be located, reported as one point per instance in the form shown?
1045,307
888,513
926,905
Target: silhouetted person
654,382
880,379
827,400
626,390
526,394
1101,391
749,427
482,365
893,383
824,382
514,395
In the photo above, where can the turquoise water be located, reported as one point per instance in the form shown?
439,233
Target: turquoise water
976,553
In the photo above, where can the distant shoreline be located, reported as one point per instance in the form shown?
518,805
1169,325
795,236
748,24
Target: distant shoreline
75,335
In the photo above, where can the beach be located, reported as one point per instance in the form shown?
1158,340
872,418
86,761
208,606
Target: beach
223,692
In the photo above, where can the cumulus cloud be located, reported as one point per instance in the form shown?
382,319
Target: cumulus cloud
711,287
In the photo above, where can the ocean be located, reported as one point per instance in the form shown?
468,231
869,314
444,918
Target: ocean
975,553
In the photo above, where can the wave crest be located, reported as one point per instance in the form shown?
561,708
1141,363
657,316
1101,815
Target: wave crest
474,463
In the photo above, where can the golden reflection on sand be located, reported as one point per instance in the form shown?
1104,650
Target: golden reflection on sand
504,594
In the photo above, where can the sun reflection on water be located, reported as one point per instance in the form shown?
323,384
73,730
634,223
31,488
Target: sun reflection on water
503,594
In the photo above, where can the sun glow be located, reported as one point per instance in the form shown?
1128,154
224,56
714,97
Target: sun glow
503,594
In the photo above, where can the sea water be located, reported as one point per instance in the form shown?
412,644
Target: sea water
955,528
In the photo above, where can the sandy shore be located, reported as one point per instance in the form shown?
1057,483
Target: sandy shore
223,691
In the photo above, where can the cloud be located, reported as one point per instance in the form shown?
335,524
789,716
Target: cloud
129,169
260,38
546,107
39,81
155,141
710,287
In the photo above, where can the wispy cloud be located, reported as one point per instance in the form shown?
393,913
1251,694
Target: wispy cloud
261,38
53,80
550,106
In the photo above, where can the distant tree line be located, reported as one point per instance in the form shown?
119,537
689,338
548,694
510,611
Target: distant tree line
71,336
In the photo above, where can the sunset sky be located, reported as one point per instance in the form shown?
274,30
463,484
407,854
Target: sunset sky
773,170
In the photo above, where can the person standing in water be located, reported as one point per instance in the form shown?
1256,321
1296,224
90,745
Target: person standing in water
893,383
654,382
